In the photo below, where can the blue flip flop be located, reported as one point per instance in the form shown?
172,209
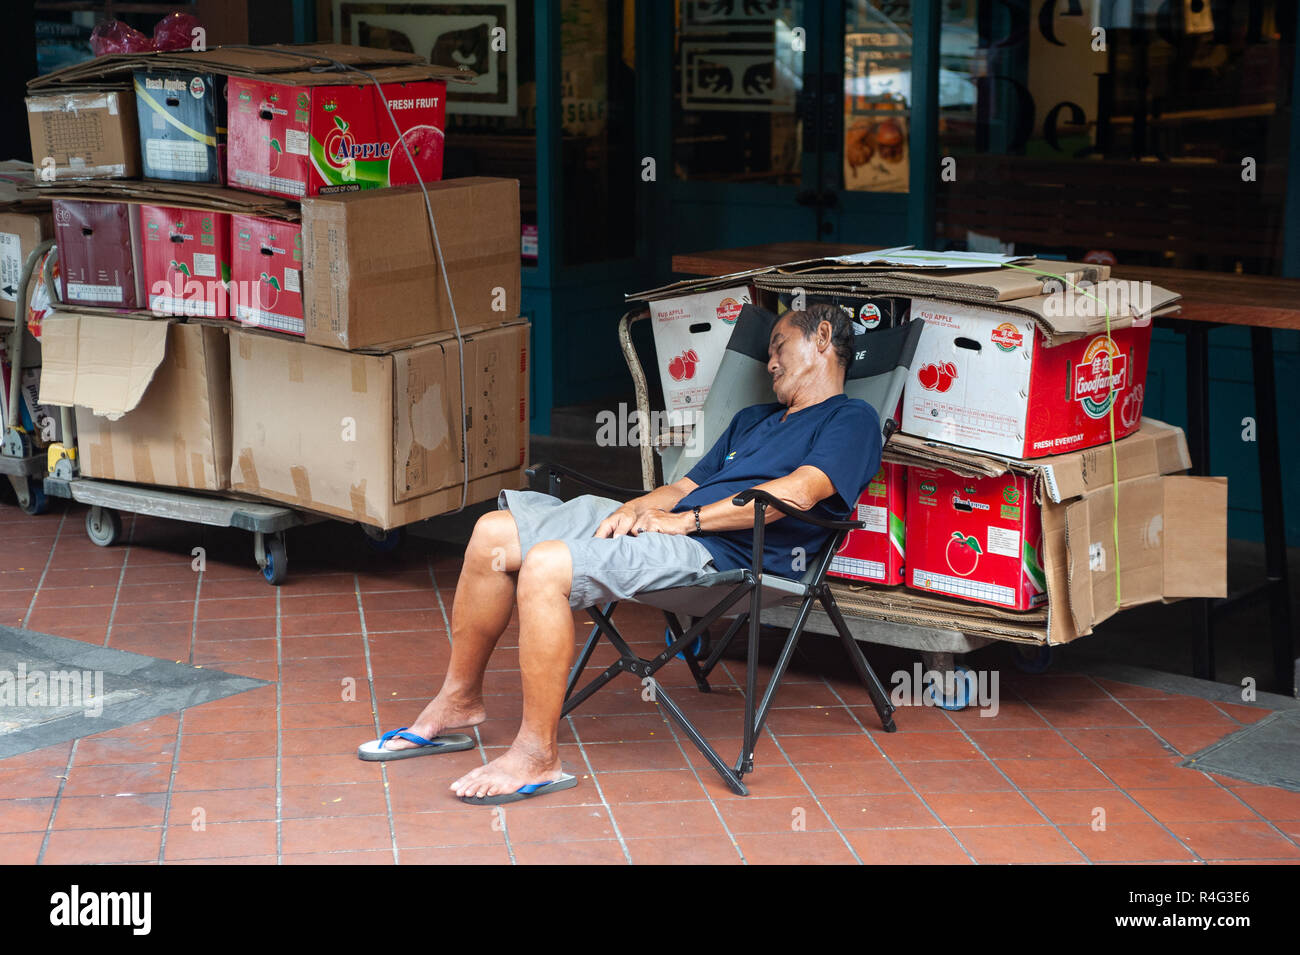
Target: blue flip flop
375,752
567,781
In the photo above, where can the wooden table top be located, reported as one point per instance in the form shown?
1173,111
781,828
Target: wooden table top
1220,297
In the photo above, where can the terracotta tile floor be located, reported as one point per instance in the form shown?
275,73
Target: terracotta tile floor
1071,770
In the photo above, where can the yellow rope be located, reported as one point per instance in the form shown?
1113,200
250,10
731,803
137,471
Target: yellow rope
1114,458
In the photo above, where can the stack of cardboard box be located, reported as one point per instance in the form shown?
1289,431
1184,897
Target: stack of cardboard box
995,507
265,311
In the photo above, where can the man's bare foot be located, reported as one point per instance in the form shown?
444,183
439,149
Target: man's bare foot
438,717
509,773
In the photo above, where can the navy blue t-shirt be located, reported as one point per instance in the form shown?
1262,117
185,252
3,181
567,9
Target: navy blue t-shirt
840,436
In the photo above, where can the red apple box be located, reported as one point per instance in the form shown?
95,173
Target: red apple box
876,553
314,140
186,260
99,253
266,263
985,379
975,539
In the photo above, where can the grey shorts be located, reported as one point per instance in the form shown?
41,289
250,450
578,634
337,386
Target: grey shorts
604,569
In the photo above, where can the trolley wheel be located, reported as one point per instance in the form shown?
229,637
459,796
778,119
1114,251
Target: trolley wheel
1035,659
276,567
36,502
697,649
7,493
937,693
381,541
103,526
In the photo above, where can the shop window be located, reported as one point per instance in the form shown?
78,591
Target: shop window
1142,133
877,95
600,166
737,81
491,124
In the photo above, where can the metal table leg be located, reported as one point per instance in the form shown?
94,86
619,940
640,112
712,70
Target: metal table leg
1196,337
1286,666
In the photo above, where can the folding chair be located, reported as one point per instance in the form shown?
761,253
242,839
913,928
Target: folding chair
877,374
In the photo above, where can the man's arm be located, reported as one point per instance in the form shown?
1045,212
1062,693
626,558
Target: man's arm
801,489
640,510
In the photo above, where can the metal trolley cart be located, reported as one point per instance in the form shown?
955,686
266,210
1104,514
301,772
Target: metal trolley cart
937,645
27,470
22,464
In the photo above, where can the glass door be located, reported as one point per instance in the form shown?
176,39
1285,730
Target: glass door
745,99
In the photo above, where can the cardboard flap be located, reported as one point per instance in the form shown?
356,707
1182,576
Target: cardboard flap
1196,537
1155,448
273,61
104,364
1093,561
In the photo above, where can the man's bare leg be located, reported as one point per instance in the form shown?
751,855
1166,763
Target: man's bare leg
545,654
485,596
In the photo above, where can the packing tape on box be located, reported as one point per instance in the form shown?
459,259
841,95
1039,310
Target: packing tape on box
141,463
198,469
301,485
295,367
357,494
246,347
358,375
176,347
179,462
247,470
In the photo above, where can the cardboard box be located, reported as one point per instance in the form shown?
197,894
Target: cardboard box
266,266
182,119
976,539
1172,542
382,443
99,253
20,232
152,398
986,381
691,334
185,257
80,134
293,140
372,278
877,553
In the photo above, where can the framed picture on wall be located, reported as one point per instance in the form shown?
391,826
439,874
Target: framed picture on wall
480,37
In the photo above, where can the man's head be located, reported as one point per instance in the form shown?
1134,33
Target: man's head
809,353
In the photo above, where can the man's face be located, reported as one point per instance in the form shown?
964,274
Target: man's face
792,359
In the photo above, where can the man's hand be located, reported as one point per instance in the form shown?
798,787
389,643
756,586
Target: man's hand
633,520
639,512
620,522
664,523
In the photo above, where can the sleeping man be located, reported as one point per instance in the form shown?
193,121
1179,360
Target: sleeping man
814,449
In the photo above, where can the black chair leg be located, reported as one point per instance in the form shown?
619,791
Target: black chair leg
587,649
879,698
732,779
675,628
778,674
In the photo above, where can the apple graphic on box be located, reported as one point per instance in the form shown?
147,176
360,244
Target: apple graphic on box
677,368
928,376
425,144
962,554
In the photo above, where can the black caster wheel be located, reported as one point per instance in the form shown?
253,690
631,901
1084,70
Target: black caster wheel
960,696
1033,659
382,542
103,526
36,502
276,567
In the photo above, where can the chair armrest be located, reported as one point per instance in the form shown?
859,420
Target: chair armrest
554,472
754,494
